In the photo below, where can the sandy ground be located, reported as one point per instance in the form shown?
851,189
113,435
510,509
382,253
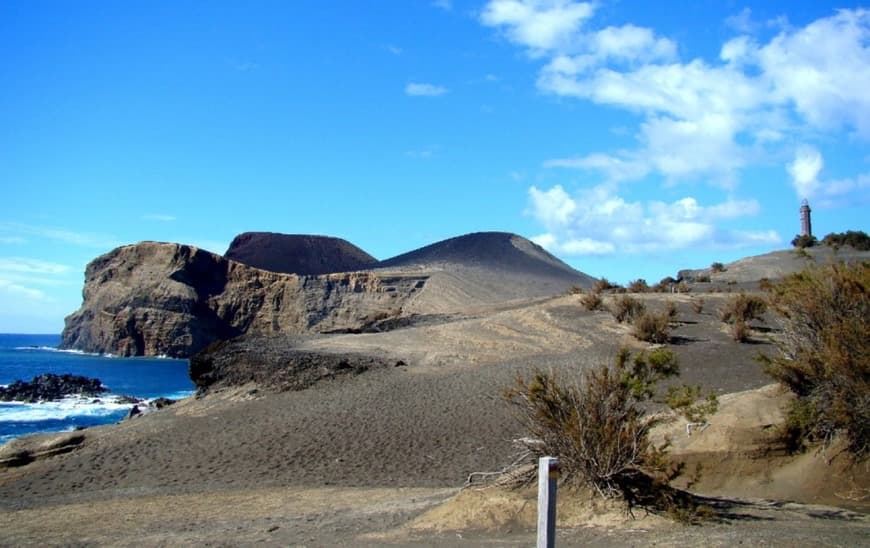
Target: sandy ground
364,459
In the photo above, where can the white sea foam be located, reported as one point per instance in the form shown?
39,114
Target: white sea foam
70,406
61,350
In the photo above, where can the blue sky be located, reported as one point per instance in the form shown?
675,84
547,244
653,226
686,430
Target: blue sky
631,139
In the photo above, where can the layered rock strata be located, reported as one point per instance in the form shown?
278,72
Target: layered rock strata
170,299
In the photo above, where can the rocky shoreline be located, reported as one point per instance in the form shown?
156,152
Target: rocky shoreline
52,387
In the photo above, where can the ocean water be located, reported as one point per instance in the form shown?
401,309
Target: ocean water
23,357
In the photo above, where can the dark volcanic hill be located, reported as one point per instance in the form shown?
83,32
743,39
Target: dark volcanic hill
501,251
297,253
484,268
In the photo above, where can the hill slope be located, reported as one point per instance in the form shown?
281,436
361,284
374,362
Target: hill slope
297,253
484,268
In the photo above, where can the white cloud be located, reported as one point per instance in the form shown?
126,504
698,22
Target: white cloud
84,239
19,291
701,120
823,70
804,171
741,22
395,50
163,218
420,154
598,222
540,25
445,5
424,90
12,240
31,266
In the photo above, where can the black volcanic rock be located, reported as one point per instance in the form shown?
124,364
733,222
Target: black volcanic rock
50,387
297,254
272,362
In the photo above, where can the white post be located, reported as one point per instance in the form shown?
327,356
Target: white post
548,473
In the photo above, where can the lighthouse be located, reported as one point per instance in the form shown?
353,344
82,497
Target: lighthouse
806,221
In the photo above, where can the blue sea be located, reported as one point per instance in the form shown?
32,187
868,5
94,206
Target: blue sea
23,357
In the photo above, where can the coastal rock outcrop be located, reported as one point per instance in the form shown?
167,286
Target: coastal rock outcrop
169,299
297,253
50,387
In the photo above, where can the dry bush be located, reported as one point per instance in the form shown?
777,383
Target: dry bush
652,327
626,308
664,285
600,432
697,305
592,301
670,310
575,290
743,307
740,331
603,285
824,354
638,286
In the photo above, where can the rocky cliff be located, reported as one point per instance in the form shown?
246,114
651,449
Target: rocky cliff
170,299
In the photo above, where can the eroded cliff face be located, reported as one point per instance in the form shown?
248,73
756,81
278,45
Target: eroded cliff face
153,299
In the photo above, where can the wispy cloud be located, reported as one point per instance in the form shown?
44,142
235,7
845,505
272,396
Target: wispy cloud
31,266
20,291
159,217
445,5
416,89
420,154
83,239
395,50
12,240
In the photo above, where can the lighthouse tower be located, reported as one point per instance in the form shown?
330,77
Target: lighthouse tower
806,221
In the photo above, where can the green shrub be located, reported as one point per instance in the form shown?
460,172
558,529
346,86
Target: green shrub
717,267
626,308
688,401
824,353
802,242
857,239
